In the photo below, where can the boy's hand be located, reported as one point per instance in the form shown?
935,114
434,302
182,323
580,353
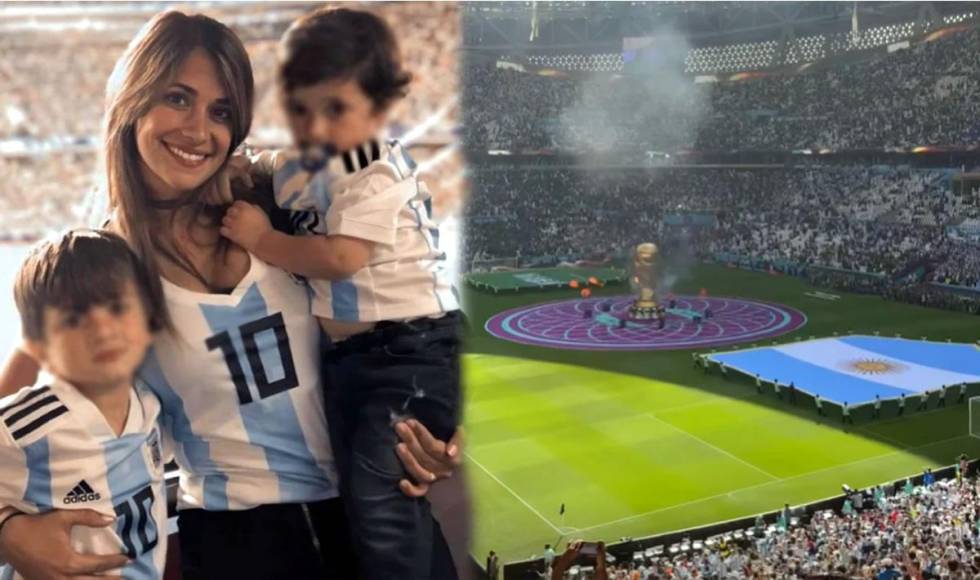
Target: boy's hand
245,224
426,458
238,168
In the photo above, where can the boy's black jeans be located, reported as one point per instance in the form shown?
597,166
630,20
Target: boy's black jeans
398,370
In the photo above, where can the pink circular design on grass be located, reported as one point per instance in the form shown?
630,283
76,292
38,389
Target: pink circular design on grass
563,324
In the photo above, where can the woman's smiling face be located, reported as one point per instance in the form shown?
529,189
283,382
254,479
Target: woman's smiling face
184,138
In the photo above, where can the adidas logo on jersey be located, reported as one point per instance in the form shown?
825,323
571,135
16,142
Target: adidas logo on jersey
82,492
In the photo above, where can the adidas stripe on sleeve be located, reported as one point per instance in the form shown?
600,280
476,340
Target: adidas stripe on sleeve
32,412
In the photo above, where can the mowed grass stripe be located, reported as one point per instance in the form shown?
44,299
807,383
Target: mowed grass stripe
783,444
893,465
715,447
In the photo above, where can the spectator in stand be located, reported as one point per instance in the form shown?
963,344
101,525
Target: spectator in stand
493,566
549,557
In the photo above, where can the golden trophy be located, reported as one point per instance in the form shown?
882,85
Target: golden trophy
644,283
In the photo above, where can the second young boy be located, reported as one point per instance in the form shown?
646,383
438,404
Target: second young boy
381,290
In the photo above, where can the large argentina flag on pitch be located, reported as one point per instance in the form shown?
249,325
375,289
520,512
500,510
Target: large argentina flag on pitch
856,368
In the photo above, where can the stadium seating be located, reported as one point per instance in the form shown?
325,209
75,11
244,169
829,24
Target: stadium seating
885,224
928,533
905,99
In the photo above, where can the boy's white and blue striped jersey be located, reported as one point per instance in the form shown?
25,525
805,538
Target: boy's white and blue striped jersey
239,381
57,451
371,193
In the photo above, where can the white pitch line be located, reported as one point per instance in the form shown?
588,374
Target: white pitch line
514,493
767,483
715,447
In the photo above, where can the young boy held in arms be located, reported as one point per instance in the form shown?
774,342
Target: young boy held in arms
381,291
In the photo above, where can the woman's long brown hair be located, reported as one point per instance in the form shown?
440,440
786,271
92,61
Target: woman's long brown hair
149,65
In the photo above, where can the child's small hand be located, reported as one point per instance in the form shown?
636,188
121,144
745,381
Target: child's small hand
245,224
238,168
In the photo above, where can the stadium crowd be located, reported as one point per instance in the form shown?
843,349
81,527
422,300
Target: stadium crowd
962,265
922,96
919,532
43,194
54,85
866,219
886,222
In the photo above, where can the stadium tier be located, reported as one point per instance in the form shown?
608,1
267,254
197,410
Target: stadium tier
912,97
883,230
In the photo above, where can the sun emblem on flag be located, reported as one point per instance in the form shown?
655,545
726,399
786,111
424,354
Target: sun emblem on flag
873,366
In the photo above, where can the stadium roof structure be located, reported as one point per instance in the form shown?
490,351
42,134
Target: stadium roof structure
536,27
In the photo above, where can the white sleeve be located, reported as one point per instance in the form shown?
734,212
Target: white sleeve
369,209
13,473
13,476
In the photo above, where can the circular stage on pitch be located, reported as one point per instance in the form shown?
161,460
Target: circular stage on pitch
595,324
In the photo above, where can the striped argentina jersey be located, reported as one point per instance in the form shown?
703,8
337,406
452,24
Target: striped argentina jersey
371,193
239,382
57,451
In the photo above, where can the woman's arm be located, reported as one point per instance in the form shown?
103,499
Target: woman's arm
39,546
19,371
426,458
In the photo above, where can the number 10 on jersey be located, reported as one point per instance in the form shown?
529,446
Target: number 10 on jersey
248,333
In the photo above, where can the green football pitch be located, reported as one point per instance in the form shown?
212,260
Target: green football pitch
641,443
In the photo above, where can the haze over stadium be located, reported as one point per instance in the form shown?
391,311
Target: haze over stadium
808,172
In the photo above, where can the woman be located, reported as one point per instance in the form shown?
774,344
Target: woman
237,371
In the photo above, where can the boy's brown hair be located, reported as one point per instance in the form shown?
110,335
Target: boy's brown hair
76,271
343,44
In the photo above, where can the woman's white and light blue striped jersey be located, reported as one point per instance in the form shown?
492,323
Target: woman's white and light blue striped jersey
372,193
239,382
57,451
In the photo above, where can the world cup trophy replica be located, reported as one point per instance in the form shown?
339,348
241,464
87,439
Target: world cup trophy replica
644,283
